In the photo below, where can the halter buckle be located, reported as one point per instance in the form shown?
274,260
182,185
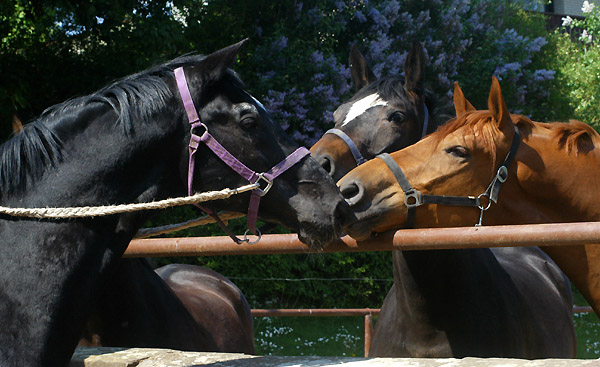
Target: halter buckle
263,192
415,195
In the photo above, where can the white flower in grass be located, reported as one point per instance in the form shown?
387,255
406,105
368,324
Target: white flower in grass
566,21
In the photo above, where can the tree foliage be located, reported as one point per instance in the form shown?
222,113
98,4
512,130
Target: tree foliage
578,64
296,63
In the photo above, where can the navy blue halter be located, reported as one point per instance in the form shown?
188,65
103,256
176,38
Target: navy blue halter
354,149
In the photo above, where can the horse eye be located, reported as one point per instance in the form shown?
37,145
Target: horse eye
396,117
248,122
458,151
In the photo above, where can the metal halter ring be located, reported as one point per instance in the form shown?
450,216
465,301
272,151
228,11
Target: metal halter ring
489,203
196,125
252,242
412,194
502,174
263,192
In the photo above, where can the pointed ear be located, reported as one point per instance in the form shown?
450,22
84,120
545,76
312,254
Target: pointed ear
359,70
461,104
17,125
414,67
214,65
498,107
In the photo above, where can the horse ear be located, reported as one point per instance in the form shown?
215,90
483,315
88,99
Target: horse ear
17,125
414,69
461,104
214,65
359,70
497,106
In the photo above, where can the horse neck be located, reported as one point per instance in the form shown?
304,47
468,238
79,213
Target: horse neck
426,280
552,185
67,261
437,289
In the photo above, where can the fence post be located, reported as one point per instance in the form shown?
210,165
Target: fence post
368,333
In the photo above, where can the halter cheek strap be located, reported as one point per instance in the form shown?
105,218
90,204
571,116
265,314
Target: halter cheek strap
413,198
358,158
234,163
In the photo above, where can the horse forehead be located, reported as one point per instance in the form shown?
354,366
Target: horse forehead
245,107
362,105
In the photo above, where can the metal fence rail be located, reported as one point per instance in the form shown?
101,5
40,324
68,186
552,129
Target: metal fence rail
556,234
408,239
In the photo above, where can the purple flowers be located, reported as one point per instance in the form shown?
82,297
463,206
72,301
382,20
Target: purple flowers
451,32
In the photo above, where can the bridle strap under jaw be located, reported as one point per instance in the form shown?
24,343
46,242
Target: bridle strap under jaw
358,157
413,198
253,177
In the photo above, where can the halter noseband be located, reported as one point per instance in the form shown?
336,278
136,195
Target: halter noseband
358,158
250,175
413,198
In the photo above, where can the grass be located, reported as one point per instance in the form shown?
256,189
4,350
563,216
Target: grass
309,336
343,336
587,327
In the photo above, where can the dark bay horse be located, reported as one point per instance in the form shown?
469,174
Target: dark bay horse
215,303
129,143
182,307
500,302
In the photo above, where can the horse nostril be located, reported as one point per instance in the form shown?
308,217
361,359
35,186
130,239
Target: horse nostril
328,165
352,192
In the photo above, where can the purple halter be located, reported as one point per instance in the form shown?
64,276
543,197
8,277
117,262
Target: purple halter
231,161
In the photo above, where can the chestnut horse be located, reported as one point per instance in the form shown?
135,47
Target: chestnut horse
549,177
453,303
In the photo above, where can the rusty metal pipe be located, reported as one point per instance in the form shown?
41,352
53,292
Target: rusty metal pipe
409,239
293,312
368,333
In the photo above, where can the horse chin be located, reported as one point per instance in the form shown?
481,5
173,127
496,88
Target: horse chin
317,237
360,231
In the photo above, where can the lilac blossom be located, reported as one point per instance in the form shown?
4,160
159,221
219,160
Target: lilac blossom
541,75
448,31
360,16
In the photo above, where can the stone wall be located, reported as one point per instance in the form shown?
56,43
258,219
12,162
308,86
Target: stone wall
137,357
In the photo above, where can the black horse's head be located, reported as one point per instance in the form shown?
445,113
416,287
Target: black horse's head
385,114
304,198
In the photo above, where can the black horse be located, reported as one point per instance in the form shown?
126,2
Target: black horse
129,143
192,309
501,302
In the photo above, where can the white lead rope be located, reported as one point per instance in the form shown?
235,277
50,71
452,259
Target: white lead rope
96,211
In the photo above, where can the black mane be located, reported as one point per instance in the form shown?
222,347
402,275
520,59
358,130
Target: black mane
134,98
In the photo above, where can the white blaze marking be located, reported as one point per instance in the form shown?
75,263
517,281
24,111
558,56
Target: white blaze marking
361,106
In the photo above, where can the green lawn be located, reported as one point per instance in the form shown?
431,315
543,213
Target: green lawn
301,336
343,336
